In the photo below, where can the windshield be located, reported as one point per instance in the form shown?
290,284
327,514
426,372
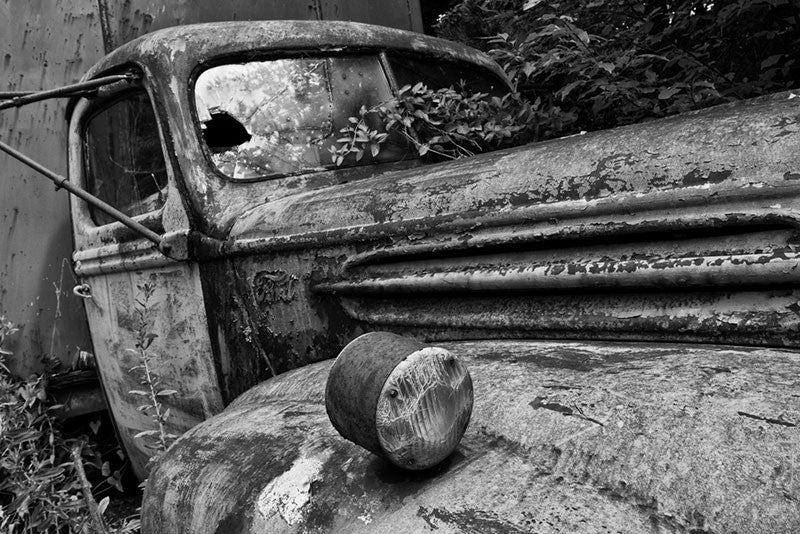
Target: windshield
277,117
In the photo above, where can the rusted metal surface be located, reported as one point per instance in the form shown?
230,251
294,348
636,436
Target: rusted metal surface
48,44
766,318
565,437
654,255
356,381
181,354
44,45
170,58
572,238
772,267
213,319
731,157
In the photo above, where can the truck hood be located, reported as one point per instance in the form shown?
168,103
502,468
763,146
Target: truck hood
733,158
565,437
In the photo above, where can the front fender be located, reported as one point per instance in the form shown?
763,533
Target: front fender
565,437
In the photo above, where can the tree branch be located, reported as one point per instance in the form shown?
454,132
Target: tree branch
97,519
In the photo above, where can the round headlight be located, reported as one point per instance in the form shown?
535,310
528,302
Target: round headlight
399,398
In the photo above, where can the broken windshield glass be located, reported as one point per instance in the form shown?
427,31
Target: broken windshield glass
265,117
276,117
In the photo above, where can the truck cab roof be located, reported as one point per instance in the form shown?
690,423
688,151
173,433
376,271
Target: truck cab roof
175,51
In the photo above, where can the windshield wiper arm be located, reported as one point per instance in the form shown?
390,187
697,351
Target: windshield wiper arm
15,99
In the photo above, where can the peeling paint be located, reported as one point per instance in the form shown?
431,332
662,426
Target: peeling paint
290,492
676,432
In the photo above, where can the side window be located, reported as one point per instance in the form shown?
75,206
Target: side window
409,70
123,161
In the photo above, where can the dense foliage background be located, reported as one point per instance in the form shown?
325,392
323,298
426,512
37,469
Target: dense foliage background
586,65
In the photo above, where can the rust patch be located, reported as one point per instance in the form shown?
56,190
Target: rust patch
538,403
469,521
698,177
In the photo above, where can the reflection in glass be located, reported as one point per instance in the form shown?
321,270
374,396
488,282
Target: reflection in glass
265,117
124,163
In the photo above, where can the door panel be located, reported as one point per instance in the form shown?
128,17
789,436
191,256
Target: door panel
122,314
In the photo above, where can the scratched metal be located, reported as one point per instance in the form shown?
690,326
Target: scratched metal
566,437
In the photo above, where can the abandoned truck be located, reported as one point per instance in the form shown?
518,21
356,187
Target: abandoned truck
627,302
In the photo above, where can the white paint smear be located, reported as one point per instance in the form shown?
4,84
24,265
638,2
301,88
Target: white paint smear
287,494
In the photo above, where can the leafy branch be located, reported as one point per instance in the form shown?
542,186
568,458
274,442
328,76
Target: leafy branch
604,63
159,438
444,124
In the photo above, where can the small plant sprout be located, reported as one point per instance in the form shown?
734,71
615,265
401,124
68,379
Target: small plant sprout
159,438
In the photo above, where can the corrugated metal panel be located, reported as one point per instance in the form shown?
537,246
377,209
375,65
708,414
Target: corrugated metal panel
404,14
50,43
45,44
128,20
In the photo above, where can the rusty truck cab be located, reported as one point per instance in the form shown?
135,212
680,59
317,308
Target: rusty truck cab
222,119
626,300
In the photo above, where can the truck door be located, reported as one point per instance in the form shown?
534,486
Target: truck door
145,310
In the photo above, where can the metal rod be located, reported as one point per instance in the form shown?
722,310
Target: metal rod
61,181
67,90
10,95
5,95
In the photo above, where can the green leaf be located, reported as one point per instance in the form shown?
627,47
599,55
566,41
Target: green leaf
770,61
668,92
567,89
115,482
148,340
608,67
102,505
